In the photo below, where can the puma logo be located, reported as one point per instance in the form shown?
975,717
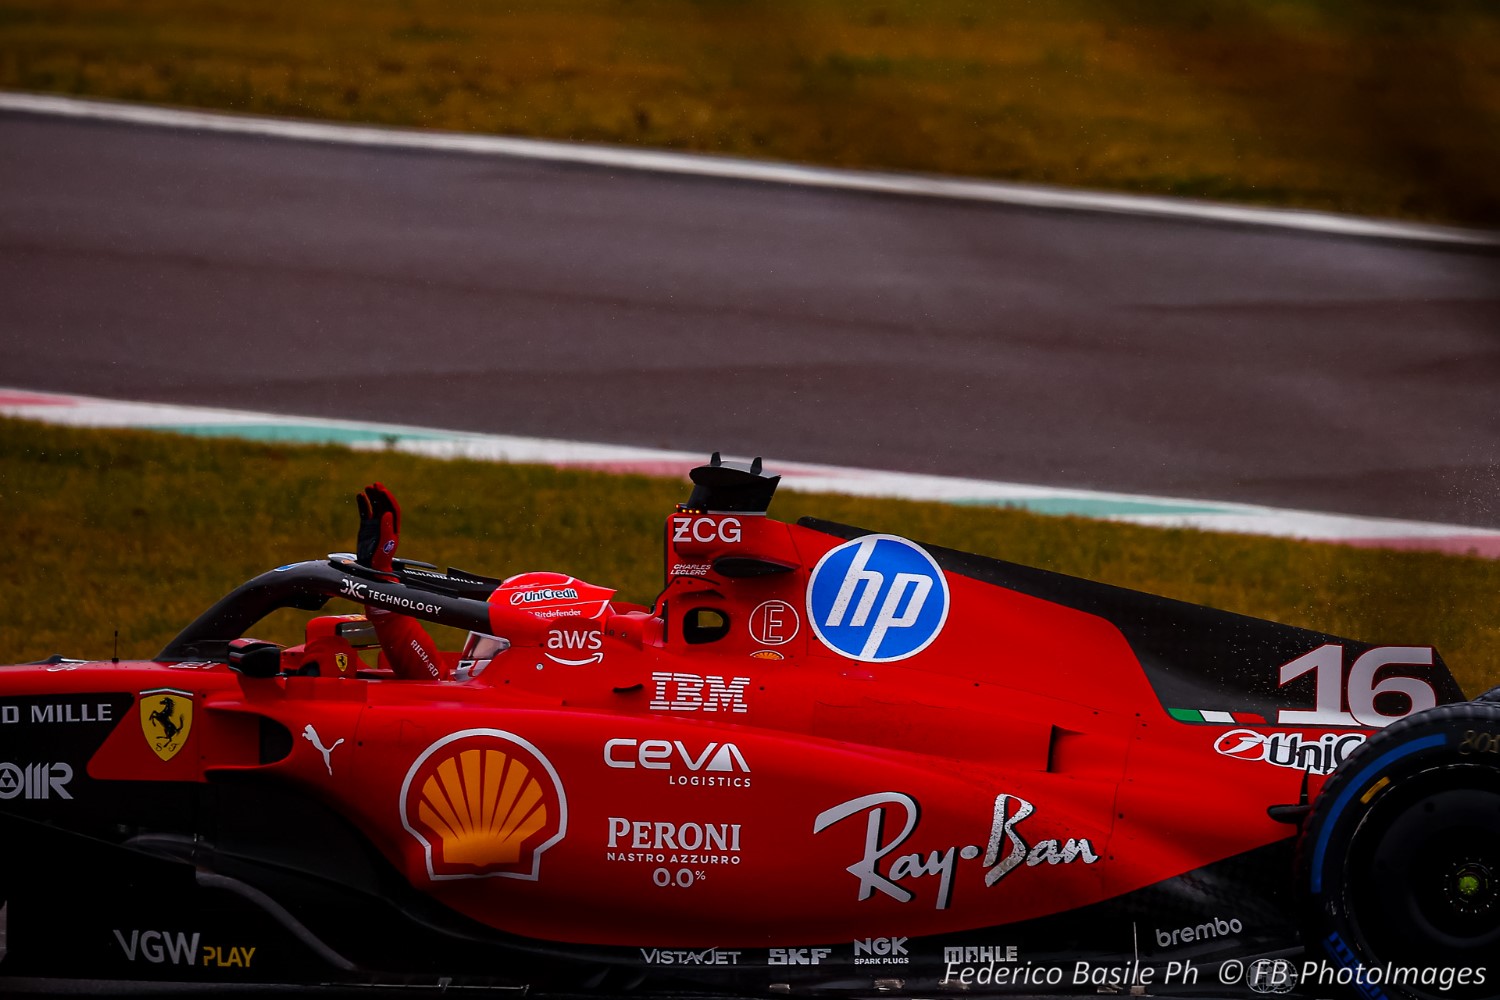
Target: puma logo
311,735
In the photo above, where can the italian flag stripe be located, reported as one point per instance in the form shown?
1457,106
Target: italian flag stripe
1207,715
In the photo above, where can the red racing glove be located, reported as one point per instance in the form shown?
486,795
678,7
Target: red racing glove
408,648
379,527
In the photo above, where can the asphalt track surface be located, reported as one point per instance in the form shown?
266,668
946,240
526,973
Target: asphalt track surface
494,294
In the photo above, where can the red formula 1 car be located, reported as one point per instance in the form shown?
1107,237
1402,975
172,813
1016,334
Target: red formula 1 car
826,761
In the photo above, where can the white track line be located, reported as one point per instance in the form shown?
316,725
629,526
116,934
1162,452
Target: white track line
1209,515
734,168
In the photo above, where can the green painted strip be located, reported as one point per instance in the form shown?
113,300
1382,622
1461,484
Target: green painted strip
1091,507
298,433
1185,714
295,433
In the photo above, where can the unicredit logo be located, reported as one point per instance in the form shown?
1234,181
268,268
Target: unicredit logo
1242,743
1317,754
533,596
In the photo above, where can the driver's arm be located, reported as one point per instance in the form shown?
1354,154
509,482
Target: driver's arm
408,647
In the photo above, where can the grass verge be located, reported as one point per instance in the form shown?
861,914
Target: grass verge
140,532
1378,107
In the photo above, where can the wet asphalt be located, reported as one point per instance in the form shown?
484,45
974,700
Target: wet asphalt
512,296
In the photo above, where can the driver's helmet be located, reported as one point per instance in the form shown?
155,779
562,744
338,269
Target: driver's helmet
543,595
478,651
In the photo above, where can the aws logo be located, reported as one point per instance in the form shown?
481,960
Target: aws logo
483,804
564,639
166,720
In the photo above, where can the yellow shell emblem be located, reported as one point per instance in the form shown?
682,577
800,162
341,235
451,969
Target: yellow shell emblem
166,720
483,803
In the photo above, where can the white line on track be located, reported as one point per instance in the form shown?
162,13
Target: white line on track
735,168
1209,515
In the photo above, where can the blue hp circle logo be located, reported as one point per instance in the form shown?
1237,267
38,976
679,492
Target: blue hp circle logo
877,598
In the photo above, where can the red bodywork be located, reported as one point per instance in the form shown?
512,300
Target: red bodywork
710,771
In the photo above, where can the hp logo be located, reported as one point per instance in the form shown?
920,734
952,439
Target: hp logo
877,598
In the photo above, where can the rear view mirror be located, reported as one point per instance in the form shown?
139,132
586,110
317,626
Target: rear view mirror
358,633
255,658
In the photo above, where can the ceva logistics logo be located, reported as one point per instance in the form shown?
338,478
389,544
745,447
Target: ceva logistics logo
877,598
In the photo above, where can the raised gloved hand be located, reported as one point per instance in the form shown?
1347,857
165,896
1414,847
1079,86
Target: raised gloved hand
379,527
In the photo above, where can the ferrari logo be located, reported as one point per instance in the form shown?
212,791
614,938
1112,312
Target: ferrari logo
341,660
166,720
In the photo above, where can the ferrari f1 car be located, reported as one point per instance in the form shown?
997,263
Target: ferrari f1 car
826,761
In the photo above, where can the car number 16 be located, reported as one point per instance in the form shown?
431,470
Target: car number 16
1326,664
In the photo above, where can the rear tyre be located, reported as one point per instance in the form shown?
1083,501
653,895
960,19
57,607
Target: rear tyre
1400,861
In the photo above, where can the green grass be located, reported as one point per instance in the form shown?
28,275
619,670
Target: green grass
1378,107
140,532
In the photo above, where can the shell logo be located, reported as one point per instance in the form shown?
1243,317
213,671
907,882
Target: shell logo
483,803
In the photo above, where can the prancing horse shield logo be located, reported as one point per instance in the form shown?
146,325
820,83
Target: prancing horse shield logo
166,720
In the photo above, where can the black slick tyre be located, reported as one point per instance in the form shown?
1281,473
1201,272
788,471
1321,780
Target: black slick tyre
1399,862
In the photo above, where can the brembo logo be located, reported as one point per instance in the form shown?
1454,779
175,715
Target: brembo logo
1208,930
1318,755
878,598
